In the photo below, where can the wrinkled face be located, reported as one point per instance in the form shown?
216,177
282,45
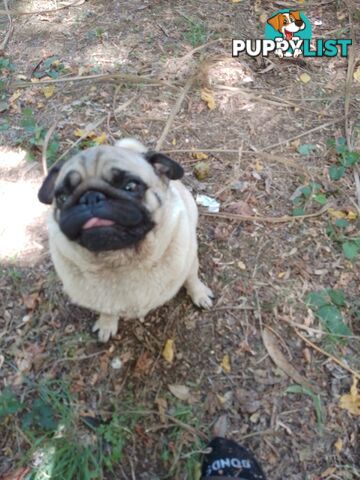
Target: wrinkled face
104,198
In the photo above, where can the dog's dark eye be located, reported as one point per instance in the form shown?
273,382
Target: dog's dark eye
131,186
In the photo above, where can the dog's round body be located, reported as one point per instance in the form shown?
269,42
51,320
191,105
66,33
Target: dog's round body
122,232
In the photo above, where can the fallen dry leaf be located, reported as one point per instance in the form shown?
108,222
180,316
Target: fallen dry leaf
17,94
272,347
48,91
329,471
162,407
100,139
168,351
305,78
338,445
351,401
182,392
225,363
336,213
240,208
351,215
220,426
248,400
199,156
31,300
84,133
258,166
208,98
143,364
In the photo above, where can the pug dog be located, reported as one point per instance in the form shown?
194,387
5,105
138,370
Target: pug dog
122,232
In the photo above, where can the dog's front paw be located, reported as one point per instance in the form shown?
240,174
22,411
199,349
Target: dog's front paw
202,296
106,328
279,53
297,52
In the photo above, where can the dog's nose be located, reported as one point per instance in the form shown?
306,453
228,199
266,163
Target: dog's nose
92,198
299,23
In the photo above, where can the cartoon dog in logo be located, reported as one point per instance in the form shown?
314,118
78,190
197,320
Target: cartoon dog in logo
287,24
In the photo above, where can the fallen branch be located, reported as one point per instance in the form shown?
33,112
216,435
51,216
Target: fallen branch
255,218
334,359
126,78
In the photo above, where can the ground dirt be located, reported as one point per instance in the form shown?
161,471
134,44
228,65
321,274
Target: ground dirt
260,271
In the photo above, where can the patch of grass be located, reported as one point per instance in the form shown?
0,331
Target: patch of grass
14,274
196,33
64,444
181,453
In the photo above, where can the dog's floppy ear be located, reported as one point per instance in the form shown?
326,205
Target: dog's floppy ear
296,15
275,22
47,189
163,165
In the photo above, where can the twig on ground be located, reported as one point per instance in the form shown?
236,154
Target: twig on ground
77,3
174,112
11,28
45,147
250,218
334,359
303,134
126,78
317,331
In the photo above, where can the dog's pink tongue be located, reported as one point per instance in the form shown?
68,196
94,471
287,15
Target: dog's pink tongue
288,35
97,222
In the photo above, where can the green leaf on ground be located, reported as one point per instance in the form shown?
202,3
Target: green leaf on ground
298,211
350,249
337,297
318,299
336,172
9,403
341,223
41,415
320,198
306,148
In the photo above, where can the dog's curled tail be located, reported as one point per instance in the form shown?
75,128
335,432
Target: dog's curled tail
132,144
